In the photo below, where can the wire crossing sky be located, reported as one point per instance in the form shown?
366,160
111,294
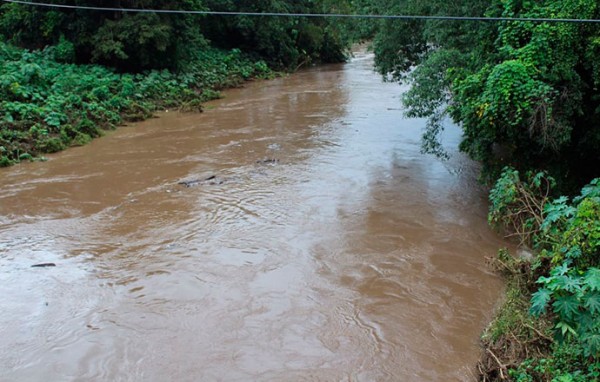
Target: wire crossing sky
331,15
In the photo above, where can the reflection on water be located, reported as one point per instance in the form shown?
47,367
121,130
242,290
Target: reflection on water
326,247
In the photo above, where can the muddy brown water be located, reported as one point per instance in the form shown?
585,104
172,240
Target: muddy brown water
348,256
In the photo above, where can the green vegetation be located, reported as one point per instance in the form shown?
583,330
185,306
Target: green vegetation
79,72
549,327
285,42
47,105
127,41
514,335
526,96
133,42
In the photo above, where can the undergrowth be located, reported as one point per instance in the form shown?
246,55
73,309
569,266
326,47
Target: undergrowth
47,104
514,335
548,328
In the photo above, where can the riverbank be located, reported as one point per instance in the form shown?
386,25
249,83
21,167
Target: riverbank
523,348
548,328
48,105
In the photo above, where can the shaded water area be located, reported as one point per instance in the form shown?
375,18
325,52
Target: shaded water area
310,241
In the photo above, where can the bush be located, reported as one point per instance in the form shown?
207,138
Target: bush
519,205
46,105
572,289
566,235
567,363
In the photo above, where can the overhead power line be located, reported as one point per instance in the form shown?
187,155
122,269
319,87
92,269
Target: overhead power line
330,15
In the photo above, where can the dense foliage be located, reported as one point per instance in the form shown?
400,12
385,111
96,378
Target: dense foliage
138,41
46,105
524,93
287,42
564,277
128,41
51,97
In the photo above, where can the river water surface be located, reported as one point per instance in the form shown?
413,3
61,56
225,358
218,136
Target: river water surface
325,248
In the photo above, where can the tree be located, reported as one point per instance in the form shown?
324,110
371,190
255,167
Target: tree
524,93
140,41
128,41
286,42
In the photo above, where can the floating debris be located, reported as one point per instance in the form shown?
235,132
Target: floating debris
268,161
211,180
43,265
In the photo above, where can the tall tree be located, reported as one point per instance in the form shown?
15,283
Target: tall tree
525,93
129,41
139,41
283,41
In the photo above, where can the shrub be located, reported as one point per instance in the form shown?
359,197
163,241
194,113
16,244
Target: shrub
47,105
566,235
518,204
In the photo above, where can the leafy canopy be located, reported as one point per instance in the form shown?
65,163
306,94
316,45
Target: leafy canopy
525,94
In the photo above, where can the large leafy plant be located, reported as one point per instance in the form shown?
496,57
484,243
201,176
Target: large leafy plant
574,297
571,291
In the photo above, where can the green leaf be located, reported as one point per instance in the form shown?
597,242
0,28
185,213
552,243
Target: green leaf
592,302
540,301
586,322
566,283
589,191
565,329
557,210
592,279
574,252
545,280
560,270
591,344
566,307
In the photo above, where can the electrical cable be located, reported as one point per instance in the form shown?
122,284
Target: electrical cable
330,15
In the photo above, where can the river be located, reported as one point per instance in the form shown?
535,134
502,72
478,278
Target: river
310,241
